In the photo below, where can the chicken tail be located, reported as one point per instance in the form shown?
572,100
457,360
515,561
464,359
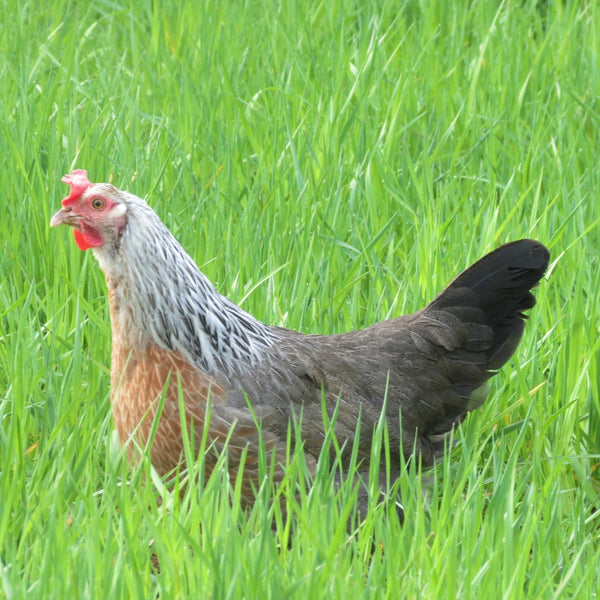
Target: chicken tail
499,285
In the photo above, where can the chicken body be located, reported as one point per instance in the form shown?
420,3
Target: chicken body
175,337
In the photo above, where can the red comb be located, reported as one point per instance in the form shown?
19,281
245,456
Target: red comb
79,183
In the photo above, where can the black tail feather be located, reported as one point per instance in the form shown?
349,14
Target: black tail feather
499,285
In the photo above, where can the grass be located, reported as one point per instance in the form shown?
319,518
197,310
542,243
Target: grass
328,164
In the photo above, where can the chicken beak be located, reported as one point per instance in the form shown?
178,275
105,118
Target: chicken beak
63,217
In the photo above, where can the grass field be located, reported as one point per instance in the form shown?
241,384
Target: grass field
328,165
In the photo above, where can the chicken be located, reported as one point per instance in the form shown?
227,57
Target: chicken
177,342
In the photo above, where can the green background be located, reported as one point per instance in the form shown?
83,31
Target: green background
328,165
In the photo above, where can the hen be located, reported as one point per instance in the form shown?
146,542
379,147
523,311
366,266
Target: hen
173,333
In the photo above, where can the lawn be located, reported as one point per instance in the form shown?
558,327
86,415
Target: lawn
328,164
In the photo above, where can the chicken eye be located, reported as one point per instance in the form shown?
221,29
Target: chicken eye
97,203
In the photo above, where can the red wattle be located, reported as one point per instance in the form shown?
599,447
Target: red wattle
80,240
87,239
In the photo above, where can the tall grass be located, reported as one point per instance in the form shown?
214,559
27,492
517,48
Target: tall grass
328,164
